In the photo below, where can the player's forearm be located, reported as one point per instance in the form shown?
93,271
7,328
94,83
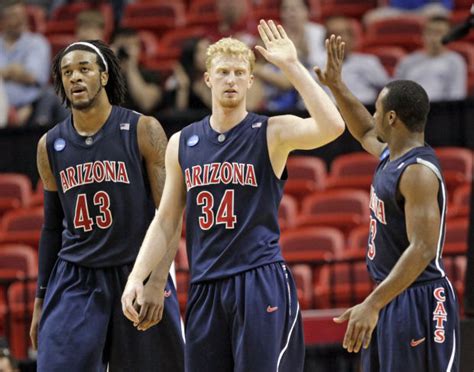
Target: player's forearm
410,265
159,275
317,102
154,249
357,118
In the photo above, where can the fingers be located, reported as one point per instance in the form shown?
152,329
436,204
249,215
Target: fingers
262,51
128,307
367,339
343,317
318,73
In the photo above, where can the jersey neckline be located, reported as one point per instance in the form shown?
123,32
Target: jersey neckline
89,141
214,136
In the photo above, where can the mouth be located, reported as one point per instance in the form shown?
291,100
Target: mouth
78,90
230,91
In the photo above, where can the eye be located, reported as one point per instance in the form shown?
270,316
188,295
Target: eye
67,73
84,69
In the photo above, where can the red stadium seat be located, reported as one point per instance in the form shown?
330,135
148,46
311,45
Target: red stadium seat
304,284
457,165
63,18
404,31
15,191
172,42
20,294
311,244
389,56
60,41
154,17
348,8
22,226
343,209
461,202
19,257
341,286
353,170
456,236
202,13
306,174
287,212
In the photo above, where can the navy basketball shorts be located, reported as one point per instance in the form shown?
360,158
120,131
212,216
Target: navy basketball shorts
247,322
82,327
418,331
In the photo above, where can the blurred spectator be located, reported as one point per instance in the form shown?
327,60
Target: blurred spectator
236,20
363,73
90,25
308,38
7,362
186,88
437,69
395,8
143,86
24,63
4,107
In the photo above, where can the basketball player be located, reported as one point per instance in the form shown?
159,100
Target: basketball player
410,320
229,171
103,174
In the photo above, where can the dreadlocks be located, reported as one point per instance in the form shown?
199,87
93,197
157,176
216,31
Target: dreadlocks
115,87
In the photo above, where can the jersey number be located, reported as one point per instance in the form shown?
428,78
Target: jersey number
372,233
225,213
82,219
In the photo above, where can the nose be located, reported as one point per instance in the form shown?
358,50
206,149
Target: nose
231,78
75,76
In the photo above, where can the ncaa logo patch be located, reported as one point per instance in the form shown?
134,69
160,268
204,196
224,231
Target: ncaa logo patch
193,140
59,144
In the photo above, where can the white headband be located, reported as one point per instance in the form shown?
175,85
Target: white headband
94,48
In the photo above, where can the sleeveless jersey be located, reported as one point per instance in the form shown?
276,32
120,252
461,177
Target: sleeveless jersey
104,190
388,237
232,198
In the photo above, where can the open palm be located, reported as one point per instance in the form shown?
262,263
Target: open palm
335,56
279,49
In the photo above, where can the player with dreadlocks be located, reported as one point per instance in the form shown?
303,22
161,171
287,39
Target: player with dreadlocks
103,173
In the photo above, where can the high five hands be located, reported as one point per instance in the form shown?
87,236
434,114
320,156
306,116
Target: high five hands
279,49
335,56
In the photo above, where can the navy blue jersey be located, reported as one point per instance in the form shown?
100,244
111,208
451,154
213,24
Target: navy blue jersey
232,199
104,190
388,236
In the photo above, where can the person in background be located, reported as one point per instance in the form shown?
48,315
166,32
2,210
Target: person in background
308,38
24,67
363,73
441,72
90,25
400,8
143,90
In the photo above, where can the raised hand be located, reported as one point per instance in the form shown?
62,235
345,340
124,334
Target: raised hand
335,56
279,49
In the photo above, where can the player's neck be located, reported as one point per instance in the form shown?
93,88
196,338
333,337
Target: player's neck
89,121
400,145
223,119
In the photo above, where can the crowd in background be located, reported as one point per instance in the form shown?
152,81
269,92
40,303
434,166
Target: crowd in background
28,99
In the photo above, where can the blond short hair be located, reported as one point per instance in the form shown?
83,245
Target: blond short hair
230,46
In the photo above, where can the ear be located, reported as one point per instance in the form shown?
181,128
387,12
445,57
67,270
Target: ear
104,78
392,117
250,81
207,79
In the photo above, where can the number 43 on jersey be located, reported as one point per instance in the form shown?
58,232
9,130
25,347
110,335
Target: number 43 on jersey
82,218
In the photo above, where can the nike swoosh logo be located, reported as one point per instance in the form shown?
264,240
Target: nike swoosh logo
271,309
167,293
415,343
